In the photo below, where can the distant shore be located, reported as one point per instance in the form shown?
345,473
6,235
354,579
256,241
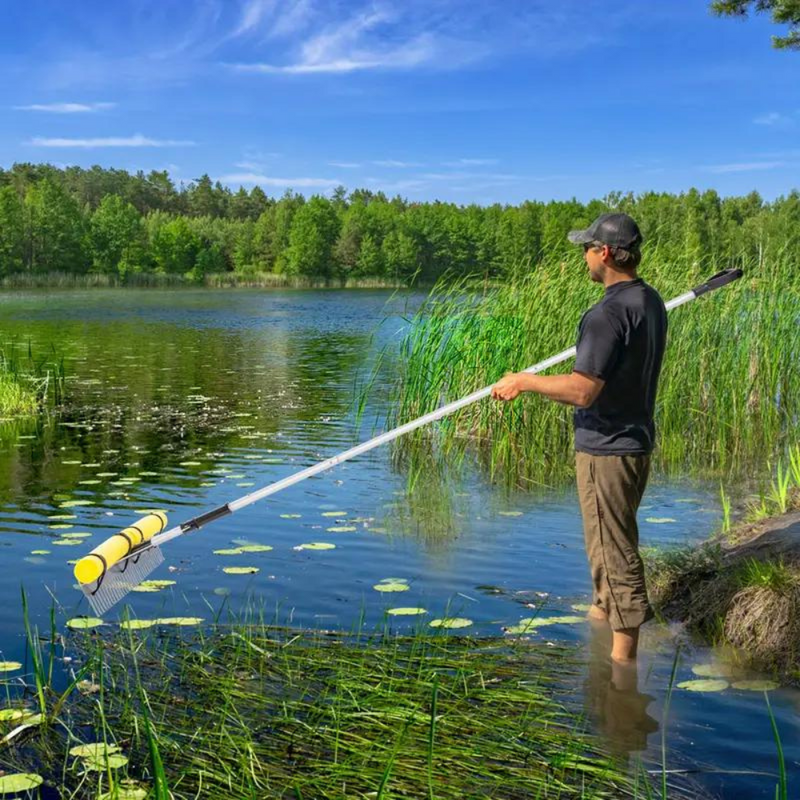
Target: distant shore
223,280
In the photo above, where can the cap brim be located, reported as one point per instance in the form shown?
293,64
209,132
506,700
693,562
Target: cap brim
580,237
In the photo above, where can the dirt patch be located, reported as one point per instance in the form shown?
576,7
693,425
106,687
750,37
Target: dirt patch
742,589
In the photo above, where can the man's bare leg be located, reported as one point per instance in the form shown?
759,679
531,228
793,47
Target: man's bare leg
595,613
624,645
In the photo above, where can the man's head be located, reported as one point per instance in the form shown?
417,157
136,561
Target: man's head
612,241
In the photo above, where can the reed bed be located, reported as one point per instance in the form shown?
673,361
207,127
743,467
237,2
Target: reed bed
28,383
252,711
729,392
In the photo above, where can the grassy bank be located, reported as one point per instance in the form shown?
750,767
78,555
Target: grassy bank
742,588
246,711
729,393
216,280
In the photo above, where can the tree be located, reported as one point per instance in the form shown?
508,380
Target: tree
12,231
116,237
784,12
55,229
313,236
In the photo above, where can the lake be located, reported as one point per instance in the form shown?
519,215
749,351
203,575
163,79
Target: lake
183,400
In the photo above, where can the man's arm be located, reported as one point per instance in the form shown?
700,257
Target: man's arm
575,389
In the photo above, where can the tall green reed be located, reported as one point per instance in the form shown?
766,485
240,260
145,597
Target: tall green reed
730,384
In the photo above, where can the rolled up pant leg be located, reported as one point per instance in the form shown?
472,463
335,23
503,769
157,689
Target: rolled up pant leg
610,489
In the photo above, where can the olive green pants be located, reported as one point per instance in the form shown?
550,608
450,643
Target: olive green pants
610,489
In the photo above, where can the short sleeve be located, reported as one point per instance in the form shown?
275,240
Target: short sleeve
599,345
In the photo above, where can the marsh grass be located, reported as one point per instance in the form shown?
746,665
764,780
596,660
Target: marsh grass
248,710
28,382
729,392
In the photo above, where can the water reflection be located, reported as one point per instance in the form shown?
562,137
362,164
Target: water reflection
613,701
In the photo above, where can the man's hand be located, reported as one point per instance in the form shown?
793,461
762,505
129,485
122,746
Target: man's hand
508,387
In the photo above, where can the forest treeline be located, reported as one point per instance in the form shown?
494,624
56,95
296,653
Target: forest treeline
111,222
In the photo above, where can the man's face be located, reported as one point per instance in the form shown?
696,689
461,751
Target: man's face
595,257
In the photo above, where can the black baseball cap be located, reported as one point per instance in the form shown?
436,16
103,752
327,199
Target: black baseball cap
615,230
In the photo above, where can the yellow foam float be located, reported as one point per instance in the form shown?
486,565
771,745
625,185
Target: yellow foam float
94,566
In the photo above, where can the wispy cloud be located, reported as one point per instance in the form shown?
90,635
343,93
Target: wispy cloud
250,178
471,162
773,119
352,46
391,162
108,141
66,108
745,166
344,164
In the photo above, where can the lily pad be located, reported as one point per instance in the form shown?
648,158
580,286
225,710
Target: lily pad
9,666
240,570
136,624
40,552
406,612
704,685
66,542
756,685
20,782
659,520
126,790
342,529
291,516
178,621
712,670
334,513
76,535
75,503
391,586
82,623
255,548
14,714
510,513
102,763
580,606
451,622
93,750
315,546
60,526
56,517
229,551
531,623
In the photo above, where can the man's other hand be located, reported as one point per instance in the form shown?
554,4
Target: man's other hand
508,387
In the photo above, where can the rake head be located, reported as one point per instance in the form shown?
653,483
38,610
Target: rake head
122,578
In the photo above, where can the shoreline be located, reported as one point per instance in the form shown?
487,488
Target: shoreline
740,589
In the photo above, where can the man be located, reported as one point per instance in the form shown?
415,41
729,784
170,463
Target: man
620,346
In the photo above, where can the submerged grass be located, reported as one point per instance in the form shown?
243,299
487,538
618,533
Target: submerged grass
729,392
28,383
253,711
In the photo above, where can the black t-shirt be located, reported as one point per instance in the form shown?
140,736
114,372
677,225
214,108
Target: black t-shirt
621,340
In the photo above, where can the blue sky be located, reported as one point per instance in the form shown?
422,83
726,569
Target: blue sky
431,99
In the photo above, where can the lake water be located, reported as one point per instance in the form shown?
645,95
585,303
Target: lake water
184,400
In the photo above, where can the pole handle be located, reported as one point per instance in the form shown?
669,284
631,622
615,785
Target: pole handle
718,280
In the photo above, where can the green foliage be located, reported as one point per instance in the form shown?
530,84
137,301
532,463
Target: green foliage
784,12
107,222
774,575
312,239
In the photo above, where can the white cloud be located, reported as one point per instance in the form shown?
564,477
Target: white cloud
344,164
109,141
253,13
747,166
66,108
250,178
